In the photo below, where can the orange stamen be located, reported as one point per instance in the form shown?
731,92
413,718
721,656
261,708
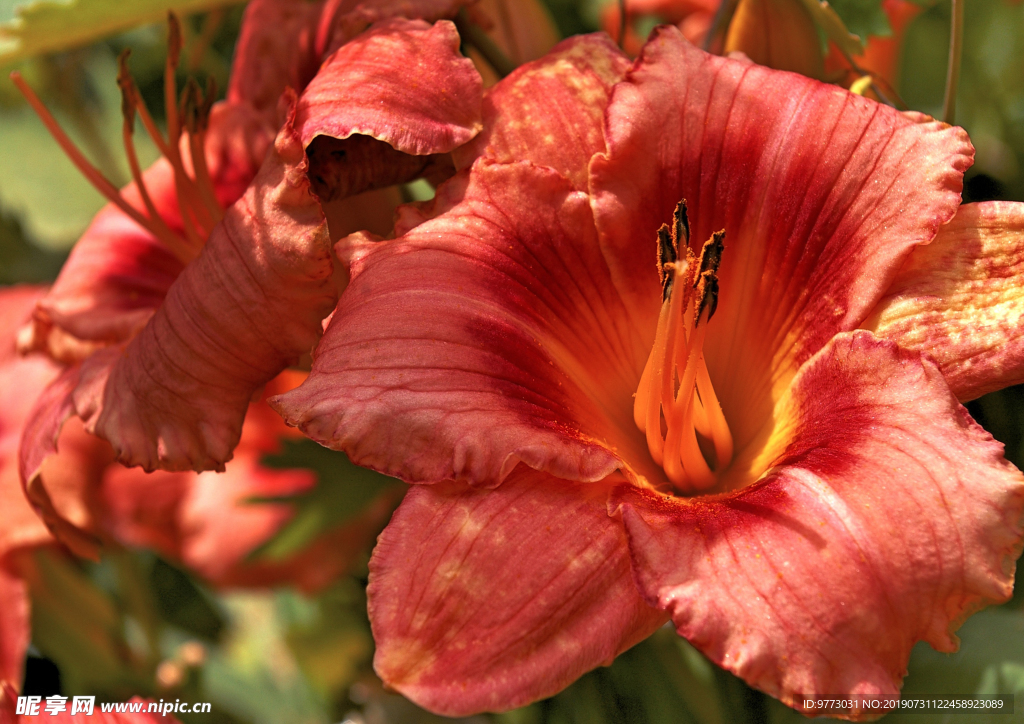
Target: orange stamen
92,174
675,400
197,202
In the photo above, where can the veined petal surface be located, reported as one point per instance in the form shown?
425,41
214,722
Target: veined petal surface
489,335
403,82
960,300
551,111
821,193
483,600
888,518
247,307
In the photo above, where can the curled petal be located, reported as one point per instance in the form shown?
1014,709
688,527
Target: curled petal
250,305
888,518
402,82
821,193
487,600
551,111
486,336
960,299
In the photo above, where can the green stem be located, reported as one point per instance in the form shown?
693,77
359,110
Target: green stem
956,46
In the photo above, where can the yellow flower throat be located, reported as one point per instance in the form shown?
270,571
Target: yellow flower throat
675,404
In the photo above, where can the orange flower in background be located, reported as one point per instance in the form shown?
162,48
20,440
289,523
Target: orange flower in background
668,348
213,271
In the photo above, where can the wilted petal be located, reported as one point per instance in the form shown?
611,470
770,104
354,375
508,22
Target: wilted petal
889,516
486,600
960,300
551,111
486,336
821,193
250,305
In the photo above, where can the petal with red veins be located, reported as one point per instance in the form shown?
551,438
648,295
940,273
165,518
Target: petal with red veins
821,193
251,304
402,82
14,625
888,518
551,111
960,300
487,600
486,336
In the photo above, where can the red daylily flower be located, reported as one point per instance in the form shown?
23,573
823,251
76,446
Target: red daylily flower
213,271
803,498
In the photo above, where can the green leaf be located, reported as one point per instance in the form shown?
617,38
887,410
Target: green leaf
342,492
832,25
863,17
46,26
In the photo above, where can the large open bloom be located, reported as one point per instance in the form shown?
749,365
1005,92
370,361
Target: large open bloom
213,271
622,410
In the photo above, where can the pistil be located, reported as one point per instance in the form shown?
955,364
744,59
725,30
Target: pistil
198,205
676,406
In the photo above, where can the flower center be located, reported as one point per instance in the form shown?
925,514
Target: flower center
188,116
675,404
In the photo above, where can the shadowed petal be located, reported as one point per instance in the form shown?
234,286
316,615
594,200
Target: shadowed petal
247,307
551,111
821,193
487,336
888,518
487,600
960,299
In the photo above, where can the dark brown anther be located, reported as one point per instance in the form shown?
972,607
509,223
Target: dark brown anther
127,86
173,40
707,279
670,241
190,105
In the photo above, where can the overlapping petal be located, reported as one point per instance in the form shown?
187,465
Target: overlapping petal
565,93
960,300
821,193
432,93
889,517
487,600
250,305
432,106
481,338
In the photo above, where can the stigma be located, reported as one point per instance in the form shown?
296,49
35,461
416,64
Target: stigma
675,406
184,148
